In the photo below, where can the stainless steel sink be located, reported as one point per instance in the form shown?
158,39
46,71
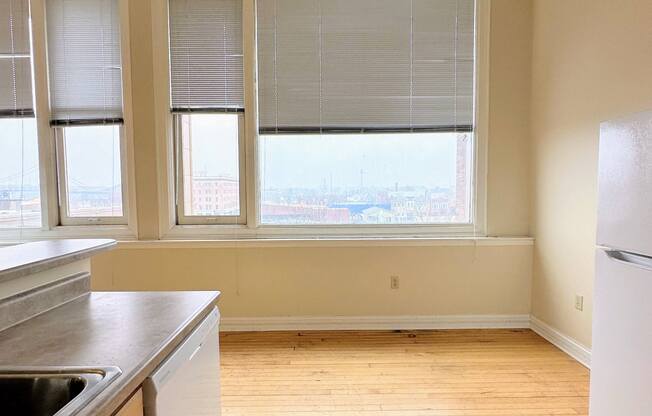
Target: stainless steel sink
51,391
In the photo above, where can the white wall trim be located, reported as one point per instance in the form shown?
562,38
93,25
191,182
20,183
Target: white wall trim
307,323
565,343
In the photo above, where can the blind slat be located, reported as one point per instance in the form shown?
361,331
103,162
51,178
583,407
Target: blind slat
206,66
365,65
15,60
84,61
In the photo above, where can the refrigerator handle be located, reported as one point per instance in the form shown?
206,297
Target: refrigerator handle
637,260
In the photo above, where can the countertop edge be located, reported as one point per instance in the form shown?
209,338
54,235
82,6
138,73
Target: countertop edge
66,257
108,402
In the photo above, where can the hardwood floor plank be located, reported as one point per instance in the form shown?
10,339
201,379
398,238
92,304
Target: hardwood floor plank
399,373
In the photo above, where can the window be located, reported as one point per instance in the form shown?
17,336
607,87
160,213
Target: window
20,197
383,179
207,103
85,75
89,157
366,111
209,155
20,194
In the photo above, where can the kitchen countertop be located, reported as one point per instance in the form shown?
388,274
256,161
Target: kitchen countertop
24,259
134,331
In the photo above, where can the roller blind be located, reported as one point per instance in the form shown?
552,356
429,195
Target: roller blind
206,69
84,61
15,60
365,65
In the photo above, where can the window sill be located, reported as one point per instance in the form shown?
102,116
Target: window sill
329,242
312,232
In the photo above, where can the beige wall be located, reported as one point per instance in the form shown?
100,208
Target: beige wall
509,113
592,61
269,281
332,281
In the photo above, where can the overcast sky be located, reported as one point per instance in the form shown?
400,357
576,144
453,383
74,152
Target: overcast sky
310,161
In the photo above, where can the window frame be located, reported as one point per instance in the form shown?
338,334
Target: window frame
171,228
184,219
53,221
62,181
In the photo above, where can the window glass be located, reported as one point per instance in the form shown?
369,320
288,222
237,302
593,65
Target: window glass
211,179
20,197
411,178
93,171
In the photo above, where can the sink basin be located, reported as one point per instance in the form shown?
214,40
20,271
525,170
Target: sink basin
51,391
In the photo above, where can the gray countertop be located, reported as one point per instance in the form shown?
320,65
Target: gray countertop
132,330
24,259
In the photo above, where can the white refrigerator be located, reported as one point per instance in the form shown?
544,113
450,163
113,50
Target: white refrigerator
621,359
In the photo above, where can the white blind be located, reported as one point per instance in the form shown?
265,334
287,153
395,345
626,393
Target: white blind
206,69
365,65
84,61
15,60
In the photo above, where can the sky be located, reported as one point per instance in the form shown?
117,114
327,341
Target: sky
286,161
18,152
92,154
312,161
379,160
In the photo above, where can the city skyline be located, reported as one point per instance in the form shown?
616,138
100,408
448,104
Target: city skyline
344,178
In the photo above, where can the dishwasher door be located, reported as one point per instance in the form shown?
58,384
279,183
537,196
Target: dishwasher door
187,383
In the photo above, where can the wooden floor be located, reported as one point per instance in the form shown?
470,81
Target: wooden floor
407,373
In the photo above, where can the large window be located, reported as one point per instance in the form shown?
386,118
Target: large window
418,178
20,194
20,197
366,111
85,74
90,172
284,116
207,103
209,156
63,140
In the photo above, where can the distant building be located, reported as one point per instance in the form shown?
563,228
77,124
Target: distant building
441,206
210,195
303,214
377,215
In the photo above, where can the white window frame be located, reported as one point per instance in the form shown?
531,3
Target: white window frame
62,175
171,228
184,219
54,223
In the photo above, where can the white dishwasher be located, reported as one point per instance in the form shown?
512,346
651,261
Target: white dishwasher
187,383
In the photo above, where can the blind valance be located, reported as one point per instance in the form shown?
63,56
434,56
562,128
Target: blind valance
206,68
15,60
365,65
84,61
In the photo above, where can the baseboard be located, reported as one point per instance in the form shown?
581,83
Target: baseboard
323,323
565,343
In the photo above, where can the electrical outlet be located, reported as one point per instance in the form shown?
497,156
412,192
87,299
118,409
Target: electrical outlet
579,302
393,282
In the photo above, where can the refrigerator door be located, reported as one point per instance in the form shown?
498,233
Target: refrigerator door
621,360
625,184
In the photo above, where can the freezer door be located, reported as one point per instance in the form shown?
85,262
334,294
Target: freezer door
625,184
621,360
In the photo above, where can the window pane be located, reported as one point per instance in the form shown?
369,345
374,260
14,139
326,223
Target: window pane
93,171
20,197
414,178
211,180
